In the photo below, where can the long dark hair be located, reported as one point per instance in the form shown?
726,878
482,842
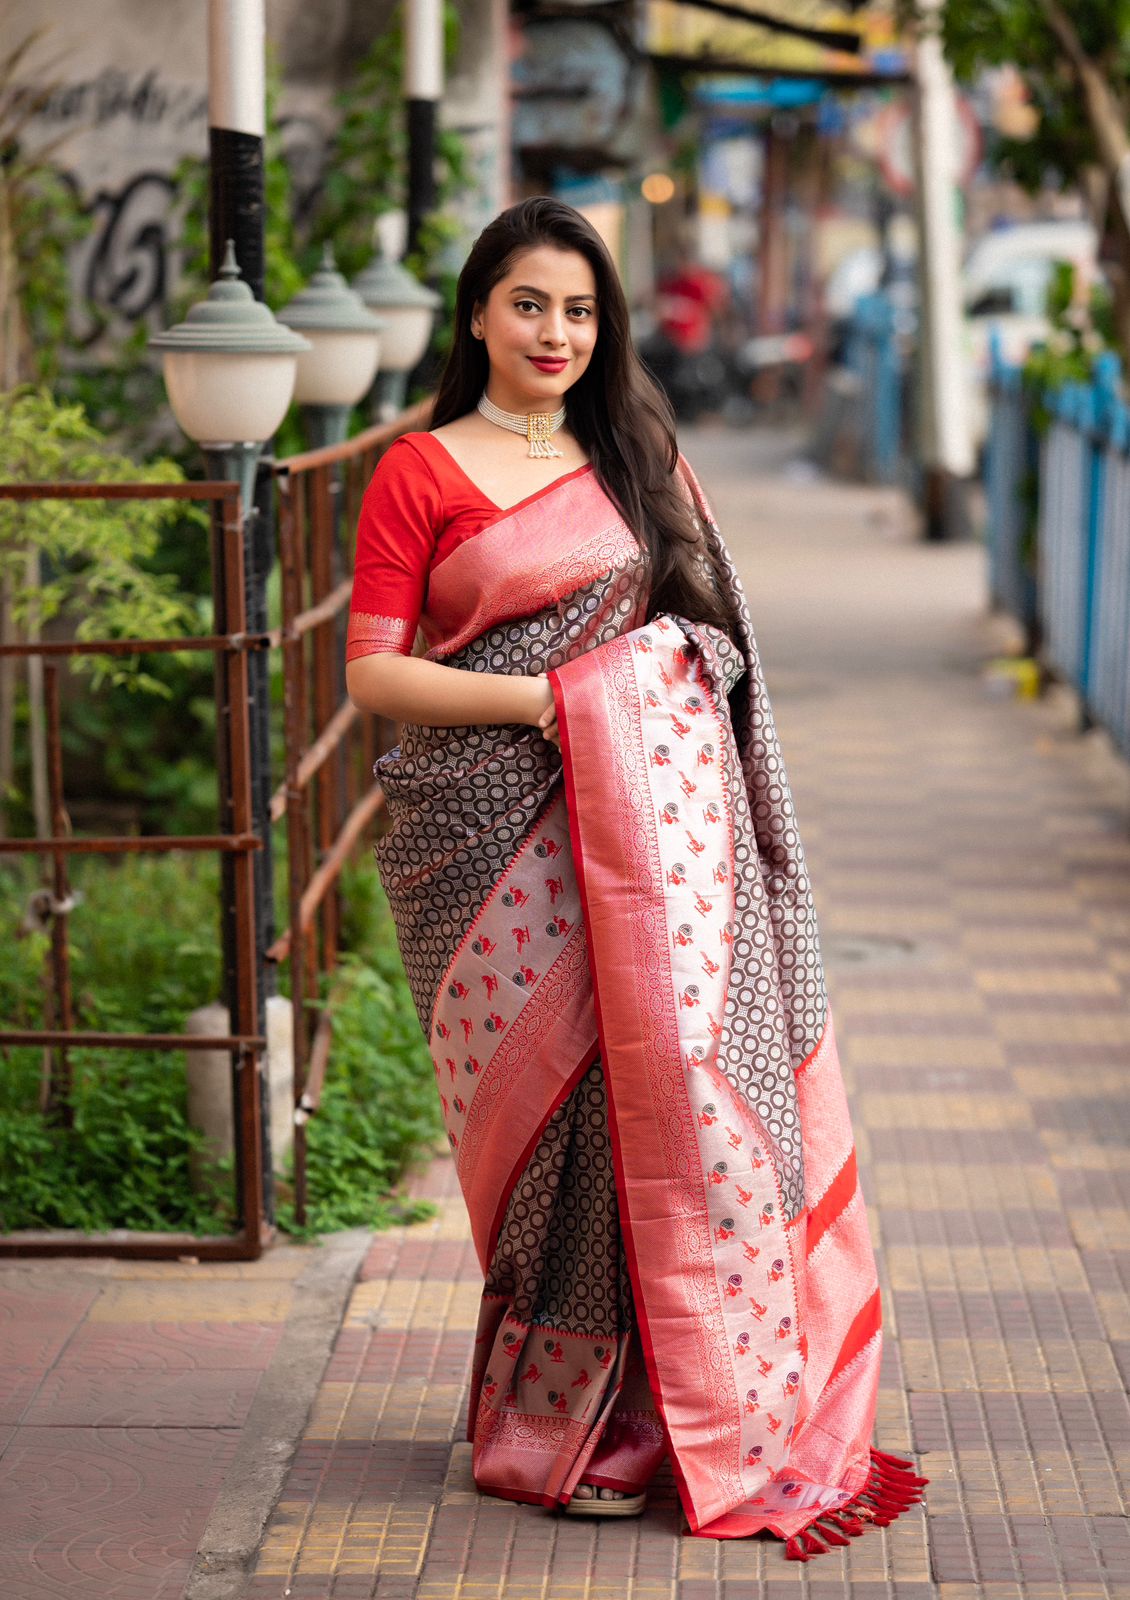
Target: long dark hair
616,409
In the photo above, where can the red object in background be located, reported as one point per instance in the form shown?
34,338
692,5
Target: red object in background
689,300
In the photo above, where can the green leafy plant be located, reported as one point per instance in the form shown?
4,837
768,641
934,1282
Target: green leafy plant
366,164
94,552
144,954
379,1110
1081,327
41,219
1075,63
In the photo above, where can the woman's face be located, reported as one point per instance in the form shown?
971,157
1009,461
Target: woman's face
539,325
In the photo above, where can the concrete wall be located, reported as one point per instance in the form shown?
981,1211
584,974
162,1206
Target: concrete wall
132,101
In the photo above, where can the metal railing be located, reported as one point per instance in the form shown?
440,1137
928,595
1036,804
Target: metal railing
1080,586
231,644
327,797
1011,466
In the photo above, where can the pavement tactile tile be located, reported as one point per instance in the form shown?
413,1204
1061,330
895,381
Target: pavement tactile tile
971,862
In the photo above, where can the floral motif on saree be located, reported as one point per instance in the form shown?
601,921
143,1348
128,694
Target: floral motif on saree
614,954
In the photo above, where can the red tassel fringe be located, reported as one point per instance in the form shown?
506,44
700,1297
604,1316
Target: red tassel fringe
891,1486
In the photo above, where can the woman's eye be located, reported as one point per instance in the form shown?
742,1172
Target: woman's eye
520,304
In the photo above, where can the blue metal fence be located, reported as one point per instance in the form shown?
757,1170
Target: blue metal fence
1079,590
1011,459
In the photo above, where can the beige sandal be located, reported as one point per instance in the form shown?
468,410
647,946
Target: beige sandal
630,1505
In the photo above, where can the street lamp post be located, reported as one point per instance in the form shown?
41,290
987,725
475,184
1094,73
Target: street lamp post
409,308
229,371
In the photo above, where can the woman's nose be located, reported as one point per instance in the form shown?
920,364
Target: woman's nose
553,328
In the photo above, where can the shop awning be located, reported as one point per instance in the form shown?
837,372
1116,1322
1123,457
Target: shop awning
778,38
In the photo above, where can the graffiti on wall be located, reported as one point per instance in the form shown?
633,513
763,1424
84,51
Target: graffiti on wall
121,270
134,131
94,102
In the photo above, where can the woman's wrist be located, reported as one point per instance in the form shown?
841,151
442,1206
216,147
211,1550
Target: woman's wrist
535,698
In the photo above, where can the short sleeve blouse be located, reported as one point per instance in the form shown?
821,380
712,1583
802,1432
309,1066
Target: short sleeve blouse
419,506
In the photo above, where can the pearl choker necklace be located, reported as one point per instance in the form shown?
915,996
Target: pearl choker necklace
538,426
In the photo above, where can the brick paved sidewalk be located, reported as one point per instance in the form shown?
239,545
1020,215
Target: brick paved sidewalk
971,861
148,1409
971,864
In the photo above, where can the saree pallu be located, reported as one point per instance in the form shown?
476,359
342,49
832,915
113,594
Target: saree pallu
613,951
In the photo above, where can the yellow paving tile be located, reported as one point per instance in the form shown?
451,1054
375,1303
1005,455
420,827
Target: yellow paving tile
904,999
1068,1153
1047,980
1014,905
281,1261
1100,1228
1065,1028
923,1050
933,1110
841,916
988,1267
409,1305
1030,943
1052,1083
1114,1309
930,1187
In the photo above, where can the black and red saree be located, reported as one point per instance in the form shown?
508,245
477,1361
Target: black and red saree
614,954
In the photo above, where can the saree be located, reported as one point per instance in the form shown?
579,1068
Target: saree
613,951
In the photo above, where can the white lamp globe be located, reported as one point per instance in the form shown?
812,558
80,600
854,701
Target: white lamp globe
345,339
229,366
407,306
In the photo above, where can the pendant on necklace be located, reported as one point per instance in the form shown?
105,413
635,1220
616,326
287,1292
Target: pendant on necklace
539,434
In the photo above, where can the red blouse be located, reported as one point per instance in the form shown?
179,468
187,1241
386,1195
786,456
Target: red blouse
419,506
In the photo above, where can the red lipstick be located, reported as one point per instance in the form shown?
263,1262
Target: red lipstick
549,364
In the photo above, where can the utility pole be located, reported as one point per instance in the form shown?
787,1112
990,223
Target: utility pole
945,441
237,112
423,89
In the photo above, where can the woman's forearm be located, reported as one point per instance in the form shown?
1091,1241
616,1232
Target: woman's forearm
410,689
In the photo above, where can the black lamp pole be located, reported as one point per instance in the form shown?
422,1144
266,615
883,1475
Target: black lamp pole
423,87
236,127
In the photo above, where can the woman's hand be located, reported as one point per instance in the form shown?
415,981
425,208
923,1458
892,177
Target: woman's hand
545,719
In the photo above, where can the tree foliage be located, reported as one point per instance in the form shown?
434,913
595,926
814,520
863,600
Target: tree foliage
1075,63
41,218
94,553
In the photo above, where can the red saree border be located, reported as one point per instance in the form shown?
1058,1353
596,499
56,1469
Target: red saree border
738,1467
630,1245
501,512
531,558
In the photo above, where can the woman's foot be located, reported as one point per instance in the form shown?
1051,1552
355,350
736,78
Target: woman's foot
592,1500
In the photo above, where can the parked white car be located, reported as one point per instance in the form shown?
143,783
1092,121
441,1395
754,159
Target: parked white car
1005,283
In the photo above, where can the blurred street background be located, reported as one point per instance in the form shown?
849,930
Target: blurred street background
879,258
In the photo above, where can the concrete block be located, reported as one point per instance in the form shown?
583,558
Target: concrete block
210,1084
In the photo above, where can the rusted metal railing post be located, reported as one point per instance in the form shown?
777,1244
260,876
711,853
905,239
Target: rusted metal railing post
59,1004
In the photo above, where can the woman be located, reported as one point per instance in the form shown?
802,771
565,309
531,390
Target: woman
604,915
